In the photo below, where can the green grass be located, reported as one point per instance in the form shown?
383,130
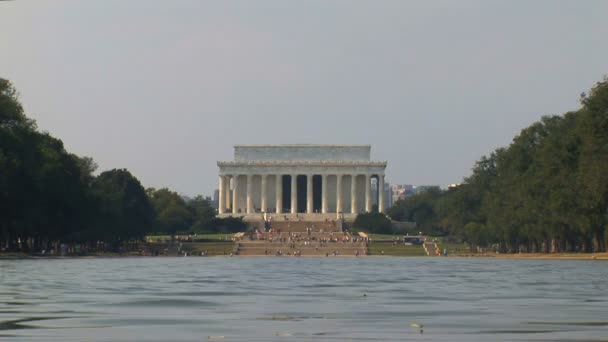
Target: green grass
218,237
376,248
384,237
211,248
197,237
454,248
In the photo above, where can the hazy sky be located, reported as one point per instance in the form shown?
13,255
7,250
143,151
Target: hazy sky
166,88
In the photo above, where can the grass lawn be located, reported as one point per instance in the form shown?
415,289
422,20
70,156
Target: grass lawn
384,237
211,248
217,237
454,248
376,248
197,237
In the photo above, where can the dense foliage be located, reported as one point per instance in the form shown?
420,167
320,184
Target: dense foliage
373,223
43,189
49,196
123,208
546,192
419,209
177,215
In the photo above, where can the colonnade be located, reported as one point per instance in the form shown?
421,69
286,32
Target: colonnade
228,197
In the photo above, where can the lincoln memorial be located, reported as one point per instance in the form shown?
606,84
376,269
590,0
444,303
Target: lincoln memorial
313,182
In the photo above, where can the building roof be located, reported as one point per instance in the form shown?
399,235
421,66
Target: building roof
300,162
301,145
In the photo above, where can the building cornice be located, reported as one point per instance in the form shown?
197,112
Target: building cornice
301,163
305,145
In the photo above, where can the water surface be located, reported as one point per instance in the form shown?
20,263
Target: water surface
303,299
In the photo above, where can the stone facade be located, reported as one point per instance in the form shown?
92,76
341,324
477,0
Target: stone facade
314,181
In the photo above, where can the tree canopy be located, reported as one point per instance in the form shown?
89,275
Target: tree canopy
50,196
376,223
547,191
43,188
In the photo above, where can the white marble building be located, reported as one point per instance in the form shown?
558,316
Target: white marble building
313,181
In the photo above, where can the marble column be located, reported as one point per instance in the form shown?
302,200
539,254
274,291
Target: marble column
228,195
368,194
338,193
249,197
235,187
324,194
263,194
353,194
381,193
279,194
294,194
309,207
222,192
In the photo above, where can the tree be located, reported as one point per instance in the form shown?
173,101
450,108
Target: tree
593,129
203,214
11,110
227,225
419,208
42,195
125,211
172,212
373,223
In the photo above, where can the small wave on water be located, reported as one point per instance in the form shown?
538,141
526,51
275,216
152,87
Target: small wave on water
289,318
590,324
25,323
153,302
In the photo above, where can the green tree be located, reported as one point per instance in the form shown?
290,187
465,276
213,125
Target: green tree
203,214
125,211
420,208
42,195
172,213
373,223
227,225
593,129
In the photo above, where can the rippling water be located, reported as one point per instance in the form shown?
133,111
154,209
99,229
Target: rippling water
303,299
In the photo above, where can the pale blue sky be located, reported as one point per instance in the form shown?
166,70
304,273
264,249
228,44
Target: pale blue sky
166,88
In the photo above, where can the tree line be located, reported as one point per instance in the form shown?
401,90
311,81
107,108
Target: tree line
546,192
50,196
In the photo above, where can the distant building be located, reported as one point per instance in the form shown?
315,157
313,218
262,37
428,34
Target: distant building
388,198
454,186
287,181
422,188
400,192
388,195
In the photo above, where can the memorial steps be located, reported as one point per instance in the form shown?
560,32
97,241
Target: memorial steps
300,226
289,237
272,249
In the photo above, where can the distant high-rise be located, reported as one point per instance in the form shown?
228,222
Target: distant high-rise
400,192
388,195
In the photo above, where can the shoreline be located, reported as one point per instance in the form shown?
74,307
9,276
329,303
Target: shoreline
537,256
